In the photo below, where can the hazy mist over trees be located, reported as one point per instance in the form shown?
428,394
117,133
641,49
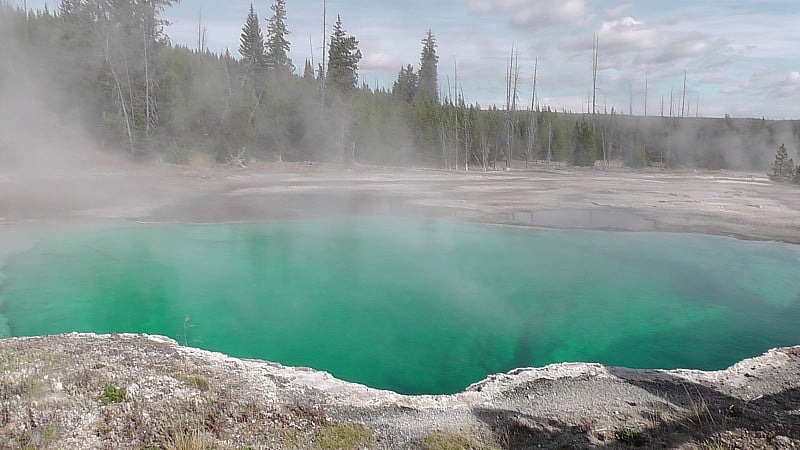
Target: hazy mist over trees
108,68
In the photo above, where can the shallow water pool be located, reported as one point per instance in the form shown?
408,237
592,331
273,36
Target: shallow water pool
414,306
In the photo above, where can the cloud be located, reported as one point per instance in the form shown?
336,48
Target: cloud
379,61
535,13
630,44
731,90
789,86
619,11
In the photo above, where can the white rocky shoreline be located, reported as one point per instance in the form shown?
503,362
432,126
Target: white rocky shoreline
52,390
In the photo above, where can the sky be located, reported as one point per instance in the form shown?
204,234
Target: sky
740,57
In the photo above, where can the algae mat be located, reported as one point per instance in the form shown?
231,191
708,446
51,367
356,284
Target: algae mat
414,306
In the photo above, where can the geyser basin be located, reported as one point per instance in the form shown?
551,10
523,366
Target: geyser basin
415,306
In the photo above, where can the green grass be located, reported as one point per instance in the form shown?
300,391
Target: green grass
112,394
198,382
452,441
344,436
630,436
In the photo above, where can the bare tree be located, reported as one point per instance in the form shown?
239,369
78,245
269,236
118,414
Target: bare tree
200,31
484,150
595,51
467,143
121,97
630,97
443,142
455,108
532,117
237,159
683,97
512,93
549,142
645,95
324,51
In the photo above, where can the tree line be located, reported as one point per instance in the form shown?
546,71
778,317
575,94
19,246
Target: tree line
124,80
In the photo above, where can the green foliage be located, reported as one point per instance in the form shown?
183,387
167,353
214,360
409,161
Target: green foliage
446,441
428,70
405,87
344,436
112,394
584,151
452,441
343,58
251,46
277,45
783,167
188,441
191,102
630,437
308,71
199,383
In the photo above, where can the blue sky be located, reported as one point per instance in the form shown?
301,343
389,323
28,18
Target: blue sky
741,57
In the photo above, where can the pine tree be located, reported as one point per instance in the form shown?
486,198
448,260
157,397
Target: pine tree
406,84
783,165
252,44
428,72
308,71
343,58
277,45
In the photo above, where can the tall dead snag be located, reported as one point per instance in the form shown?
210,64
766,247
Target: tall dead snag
512,80
595,51
323,69
443,141
484,151
532,118
549,142
683,96
121,97
146,85
455,109
467,124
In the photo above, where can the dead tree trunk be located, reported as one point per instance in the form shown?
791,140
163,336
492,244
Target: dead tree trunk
512,80
683,96
549,142
146,85
455,108
595,51
443,142
121,97
124,110
532,118
484,151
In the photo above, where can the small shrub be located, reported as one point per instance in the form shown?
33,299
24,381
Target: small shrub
457,441
188,441
446,441
112,394
98,366
344,436
733,411
630,436
198,382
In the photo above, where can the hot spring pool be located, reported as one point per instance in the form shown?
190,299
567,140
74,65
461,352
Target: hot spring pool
414,306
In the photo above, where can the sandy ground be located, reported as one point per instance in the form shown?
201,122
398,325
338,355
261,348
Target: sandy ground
745,205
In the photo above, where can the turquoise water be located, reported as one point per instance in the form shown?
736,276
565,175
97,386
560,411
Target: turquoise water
414,306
